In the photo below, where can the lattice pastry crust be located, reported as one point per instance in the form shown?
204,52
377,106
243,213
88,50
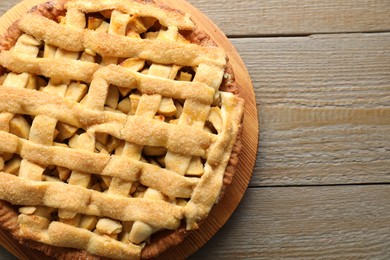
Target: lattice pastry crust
117,122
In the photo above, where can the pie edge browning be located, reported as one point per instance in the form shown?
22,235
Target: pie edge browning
160,241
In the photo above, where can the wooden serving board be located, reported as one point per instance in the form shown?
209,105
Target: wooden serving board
222,211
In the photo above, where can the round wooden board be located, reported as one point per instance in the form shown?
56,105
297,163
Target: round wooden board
223,210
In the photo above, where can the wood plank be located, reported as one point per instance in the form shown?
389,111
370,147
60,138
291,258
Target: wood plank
339,222
6,5
324,108
282,17
286,17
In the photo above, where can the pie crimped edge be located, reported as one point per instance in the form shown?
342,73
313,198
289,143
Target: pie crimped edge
50,10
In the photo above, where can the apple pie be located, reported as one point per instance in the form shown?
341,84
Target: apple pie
119,128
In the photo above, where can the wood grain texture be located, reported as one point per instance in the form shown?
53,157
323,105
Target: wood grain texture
340,222
286,17
324,108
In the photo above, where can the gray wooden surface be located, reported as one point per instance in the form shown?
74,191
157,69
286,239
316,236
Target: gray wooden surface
321,73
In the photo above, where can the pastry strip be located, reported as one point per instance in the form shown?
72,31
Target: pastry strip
60,69
119,24
199,205
112,45
164,15
178,138
59,195
150,84
121,167
63,235
65,69
140,230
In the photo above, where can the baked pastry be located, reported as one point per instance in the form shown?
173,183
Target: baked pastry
118,128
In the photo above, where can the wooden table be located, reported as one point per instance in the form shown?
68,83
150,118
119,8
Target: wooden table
321,73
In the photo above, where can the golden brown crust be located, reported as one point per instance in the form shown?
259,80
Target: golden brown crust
160,241
52,10
8,218
163,240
